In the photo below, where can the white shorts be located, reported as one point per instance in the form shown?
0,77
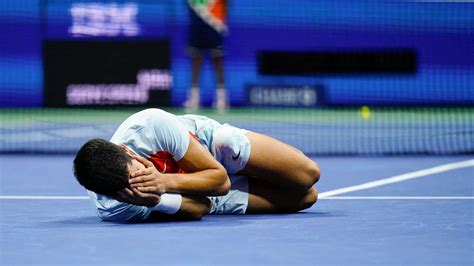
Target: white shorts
236,201
230,146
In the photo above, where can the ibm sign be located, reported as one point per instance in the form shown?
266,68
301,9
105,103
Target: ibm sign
284,95
104,19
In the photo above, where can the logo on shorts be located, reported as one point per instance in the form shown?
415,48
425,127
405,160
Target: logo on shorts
236,157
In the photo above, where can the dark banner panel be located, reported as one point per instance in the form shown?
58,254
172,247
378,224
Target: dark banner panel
337,62
92,73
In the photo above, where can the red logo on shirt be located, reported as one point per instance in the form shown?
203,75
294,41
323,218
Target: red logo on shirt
165,163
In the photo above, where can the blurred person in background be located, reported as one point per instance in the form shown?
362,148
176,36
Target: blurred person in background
207,27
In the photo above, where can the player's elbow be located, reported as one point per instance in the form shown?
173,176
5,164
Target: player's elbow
225,188
195,207
195,216
119,213
223,185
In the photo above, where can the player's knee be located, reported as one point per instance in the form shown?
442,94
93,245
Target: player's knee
310,199
309,174
304,202
313,172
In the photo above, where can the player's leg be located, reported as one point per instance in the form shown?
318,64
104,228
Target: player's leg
265,197
252,154
279,163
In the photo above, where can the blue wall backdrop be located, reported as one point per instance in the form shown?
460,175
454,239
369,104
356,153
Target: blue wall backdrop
440,33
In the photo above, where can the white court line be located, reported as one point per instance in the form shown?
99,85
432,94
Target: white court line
398,178
400,198
327,194
14,197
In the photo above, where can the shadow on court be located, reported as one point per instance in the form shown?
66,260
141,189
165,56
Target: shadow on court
208,221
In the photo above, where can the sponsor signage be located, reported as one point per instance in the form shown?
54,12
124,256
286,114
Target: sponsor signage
285,95
94,73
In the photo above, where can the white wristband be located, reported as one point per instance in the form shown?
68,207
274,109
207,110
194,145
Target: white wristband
169,203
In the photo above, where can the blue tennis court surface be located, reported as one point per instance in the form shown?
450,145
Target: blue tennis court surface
426,220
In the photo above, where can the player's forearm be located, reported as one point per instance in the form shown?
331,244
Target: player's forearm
209,182
192,208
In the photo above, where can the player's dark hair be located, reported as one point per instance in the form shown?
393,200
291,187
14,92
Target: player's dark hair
101,166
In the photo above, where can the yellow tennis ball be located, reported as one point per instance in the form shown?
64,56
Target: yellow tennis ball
365,112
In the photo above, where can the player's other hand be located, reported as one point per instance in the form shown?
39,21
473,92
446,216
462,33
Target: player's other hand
135,197
148,180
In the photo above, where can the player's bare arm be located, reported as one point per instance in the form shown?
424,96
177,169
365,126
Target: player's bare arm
204,175
192,207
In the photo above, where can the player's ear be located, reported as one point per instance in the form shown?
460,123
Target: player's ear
127,150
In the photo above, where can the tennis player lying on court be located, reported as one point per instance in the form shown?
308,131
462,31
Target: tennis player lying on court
159,166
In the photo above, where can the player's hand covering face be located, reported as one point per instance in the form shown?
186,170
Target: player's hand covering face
147,179
133,195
